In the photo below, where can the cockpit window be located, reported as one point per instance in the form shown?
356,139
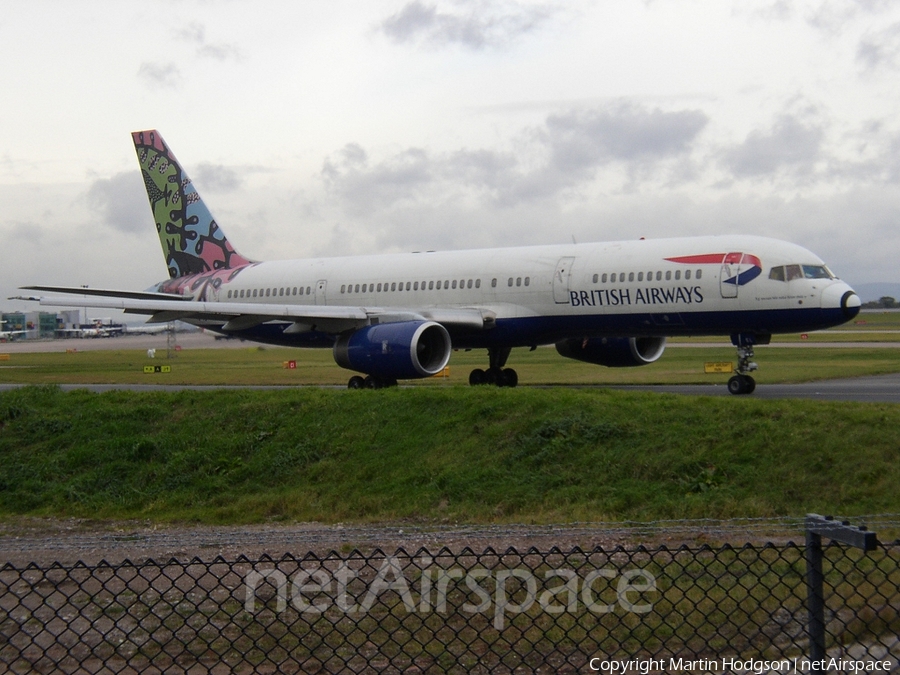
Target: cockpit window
816,272
791,272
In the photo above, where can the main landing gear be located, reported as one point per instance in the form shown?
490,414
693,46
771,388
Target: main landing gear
496,374
370,382
741,383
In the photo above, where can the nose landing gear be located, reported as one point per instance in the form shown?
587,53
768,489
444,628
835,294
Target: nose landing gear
741,383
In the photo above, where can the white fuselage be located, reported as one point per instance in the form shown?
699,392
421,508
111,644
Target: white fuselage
701,285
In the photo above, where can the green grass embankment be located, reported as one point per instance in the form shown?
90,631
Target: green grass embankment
440,454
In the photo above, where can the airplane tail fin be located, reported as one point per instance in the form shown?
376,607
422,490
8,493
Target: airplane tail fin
191,239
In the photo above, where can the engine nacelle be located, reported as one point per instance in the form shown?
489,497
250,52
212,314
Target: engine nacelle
613,352
401,351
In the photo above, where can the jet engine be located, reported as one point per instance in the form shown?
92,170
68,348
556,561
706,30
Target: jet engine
613,352
395,351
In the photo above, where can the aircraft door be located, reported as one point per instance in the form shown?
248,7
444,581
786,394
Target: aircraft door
561,280
320,291
728,278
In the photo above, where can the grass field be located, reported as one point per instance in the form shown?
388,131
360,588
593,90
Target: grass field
440,454
258,365
442,451
682,362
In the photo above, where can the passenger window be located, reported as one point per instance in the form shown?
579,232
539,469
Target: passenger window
416,286
640,276
659,276
677,275
668,275
343,288
494,282
527,280
254,292
408,284
612,278
518,281
777,274
394,286
793,272
454,284
699,275
510,282
308,290
596,276
631,276
687,275
478,283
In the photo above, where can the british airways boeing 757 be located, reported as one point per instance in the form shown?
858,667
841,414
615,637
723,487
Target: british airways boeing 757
394,317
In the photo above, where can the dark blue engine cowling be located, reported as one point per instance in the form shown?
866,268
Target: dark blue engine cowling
400,351
613,352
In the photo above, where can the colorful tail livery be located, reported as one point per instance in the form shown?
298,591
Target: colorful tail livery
401,316
746,266
191,240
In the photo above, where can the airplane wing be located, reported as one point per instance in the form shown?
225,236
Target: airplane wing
237,316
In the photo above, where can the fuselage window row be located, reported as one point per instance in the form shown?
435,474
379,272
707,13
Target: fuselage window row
621,277
395,286
268,292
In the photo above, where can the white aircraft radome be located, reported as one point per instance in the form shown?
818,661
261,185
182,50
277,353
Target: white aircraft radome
394,317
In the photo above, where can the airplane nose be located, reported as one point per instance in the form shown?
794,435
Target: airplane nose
841,295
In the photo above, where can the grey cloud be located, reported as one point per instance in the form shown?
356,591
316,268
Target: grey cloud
583,140
121,201
880,48
160,74
195,33
364,186
480,25
789,144
562,154
216,178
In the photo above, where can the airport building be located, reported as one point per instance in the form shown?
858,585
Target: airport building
37,325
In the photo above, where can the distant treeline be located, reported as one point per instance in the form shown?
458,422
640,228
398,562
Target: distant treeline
885,302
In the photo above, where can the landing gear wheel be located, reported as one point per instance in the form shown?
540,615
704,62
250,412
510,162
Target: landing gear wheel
741,384
371,382
751,384
496,374
356,382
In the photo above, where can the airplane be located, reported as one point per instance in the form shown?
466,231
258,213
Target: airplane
394,317
6,335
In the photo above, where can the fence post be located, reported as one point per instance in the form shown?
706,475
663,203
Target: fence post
816,527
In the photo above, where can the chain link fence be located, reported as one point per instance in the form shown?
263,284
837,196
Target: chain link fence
507,611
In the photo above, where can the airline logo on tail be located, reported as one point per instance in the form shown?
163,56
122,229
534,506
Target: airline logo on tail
191,240
750,265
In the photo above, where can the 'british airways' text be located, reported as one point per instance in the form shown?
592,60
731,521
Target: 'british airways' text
613,297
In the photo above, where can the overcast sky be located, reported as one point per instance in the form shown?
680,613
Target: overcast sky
351,126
